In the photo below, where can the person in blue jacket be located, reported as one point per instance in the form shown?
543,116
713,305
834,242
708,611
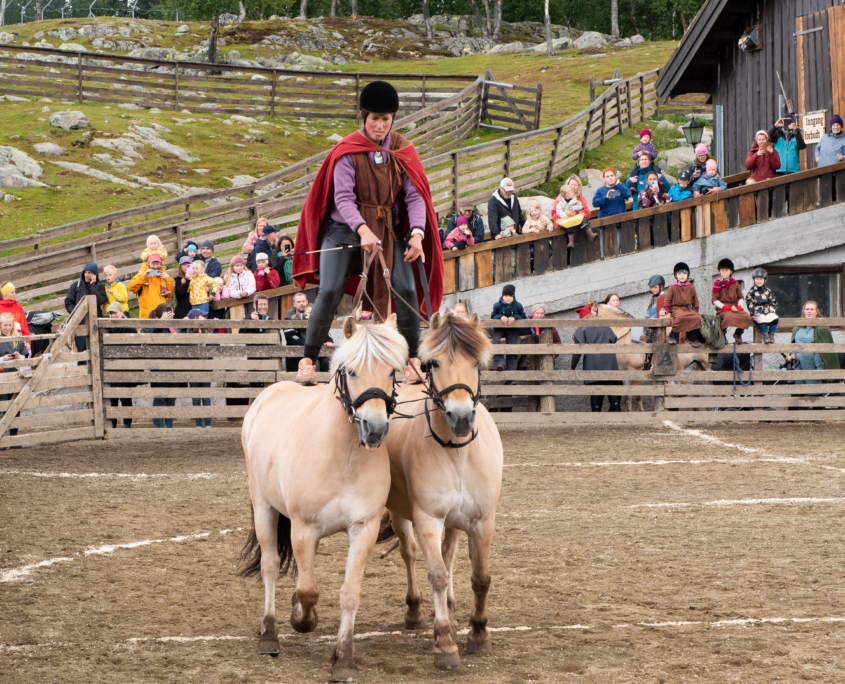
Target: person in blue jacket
788,142
638,178
682,190
710,182
507,310
610,197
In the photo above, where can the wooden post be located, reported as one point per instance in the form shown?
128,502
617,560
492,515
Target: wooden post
508,159
95,364
537,106
93,250
422,96
79,75
109,226
273,95
618,107
586,135
357,97
642,98
547,363
553,160
603,118
592,90
176,86
455,181
179,237
758,358
630,105
660,337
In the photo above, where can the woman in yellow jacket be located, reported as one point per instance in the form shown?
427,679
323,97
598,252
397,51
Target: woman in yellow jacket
116,290
152,285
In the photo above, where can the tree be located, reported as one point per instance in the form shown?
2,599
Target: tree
212,39
479,20
303,9
547,23
333,10
241,11
487,15
426,10
614,19
2,12
354,5
497,20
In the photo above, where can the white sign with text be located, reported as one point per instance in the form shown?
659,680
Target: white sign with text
814,128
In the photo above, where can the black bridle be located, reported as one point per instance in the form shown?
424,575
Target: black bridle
351,406
436,397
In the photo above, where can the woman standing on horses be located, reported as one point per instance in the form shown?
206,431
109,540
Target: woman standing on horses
371,193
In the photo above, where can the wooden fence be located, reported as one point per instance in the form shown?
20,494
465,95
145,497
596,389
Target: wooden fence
68,395
43,265
516,111
531,254
199,87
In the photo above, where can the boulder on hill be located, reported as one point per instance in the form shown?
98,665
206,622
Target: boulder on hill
590,39
557,44
637,40
49,149
69,120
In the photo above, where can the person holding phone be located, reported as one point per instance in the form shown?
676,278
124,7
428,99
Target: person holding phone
788,141
763,160
654,193
610,198
9,351
152,285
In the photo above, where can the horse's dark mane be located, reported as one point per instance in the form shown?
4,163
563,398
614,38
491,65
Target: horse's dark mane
454,336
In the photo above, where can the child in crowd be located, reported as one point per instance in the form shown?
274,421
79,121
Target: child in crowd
762,306
201,287
537,221
644,146
190,249
507,227
507,310
116,291
681,304
239,281
710,182
610,197
728,300
154,246
461,237
681,191
654,193
266,278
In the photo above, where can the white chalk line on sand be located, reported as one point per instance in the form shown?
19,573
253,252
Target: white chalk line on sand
15,574
743,502
703,461
129,476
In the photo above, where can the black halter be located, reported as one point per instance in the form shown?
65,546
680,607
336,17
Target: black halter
342,386
437,399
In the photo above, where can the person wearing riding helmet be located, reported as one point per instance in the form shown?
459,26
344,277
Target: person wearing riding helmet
681,304
371,191
729,302
762,306
656,284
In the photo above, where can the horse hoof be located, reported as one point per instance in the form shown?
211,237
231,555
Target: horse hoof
344,671
415,624
474,647
268,645
300,625
447,661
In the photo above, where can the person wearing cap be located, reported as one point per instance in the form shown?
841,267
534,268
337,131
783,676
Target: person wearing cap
152,285
788,141
504,203
190,249
645,146
507,310
681,303
681,190
763,160
699,167
181,283
266,278
9,304
371,191
87,284
729,302
762,306
266,244
831,148
213,269
476,223
610,198
116,313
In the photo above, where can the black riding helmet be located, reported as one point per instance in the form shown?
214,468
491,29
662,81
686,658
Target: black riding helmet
680,267
760,273
379,97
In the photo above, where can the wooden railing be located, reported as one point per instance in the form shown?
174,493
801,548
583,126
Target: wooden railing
55,255
237,366
645,229
503,104
201,87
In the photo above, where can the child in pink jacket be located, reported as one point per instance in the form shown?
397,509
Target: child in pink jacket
461,237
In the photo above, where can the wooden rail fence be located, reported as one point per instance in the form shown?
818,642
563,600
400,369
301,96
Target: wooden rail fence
43,265
66,395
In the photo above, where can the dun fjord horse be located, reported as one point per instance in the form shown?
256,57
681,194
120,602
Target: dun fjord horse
637,360
317,466
446,473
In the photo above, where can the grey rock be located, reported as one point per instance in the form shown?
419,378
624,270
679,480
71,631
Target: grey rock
228,19
637,40
69,120
259,77
49,149
662,165
7,38
184,28
21,162
15,98
241,180
154,53
298,58
509,48
239,118
679,156
590,39
557,44
72,47
467,46
665,125
10,177
129,105
94,30
94,173
128,147
108,160
64,34
625,42
255,131
334,138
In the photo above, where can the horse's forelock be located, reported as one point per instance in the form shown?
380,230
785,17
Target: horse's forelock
457,336
370,346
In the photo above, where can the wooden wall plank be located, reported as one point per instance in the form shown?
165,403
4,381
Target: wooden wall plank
796,198
541,256
484,268
560,255
720,224
611,240
644,234
578,254
660,230
778,202
747,210
627,240
523,260
686,225
503,265
449,275
732,213
703,220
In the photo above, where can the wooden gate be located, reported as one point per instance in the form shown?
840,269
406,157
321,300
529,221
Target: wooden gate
57,397
516,113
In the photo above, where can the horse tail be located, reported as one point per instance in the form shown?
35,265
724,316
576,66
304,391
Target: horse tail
385,532
250,558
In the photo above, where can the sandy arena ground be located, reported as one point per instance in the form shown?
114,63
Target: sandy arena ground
621,555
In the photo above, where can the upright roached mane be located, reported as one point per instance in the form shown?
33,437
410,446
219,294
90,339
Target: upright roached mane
457,336
376,346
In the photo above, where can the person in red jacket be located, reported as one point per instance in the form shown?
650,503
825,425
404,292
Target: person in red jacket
266,278
9,303
763,160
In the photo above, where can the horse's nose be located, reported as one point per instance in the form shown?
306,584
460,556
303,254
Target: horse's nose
372,431
461,420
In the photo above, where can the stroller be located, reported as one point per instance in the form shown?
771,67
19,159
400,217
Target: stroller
41,323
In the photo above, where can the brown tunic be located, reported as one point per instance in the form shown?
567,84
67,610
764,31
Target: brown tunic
678,300
731,296
378,187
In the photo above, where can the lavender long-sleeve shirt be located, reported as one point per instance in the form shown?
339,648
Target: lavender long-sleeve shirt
344,209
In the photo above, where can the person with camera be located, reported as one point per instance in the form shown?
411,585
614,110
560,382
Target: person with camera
610,197
88,284
763,160
285,262
152,285
788,142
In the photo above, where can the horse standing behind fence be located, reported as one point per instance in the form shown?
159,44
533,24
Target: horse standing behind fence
446,472
312,474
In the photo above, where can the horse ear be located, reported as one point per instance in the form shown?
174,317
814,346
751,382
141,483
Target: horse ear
435,321
391,321
349,327
475,319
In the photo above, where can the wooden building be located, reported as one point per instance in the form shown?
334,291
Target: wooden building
802,40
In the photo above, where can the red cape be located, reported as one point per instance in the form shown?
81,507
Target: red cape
305,268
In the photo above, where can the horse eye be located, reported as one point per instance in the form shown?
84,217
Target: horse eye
434,365
350,373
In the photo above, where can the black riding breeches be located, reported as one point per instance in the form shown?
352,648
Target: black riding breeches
335,271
